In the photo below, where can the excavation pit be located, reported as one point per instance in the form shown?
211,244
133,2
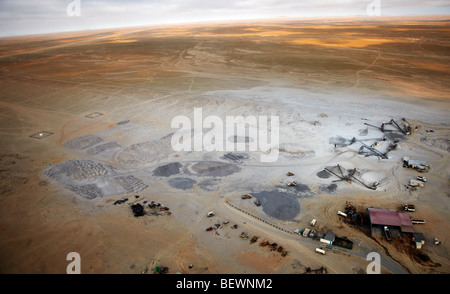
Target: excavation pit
213,169
279,205
167,170
323,174
209,185
182,183
331,188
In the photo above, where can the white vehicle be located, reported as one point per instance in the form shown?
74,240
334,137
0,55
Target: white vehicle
415,183
211,213
341,213
321,251
306,232
313,222
420,178
418,221
409,207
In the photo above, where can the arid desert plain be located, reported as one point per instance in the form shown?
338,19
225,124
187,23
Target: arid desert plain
86,120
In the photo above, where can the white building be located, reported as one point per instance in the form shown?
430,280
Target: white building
419,240
328,238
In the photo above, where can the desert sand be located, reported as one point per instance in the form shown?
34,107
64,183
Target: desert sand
324,79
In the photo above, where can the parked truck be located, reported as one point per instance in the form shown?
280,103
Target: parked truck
306,232
341,213
387,233
418,221
421,178
416,183
409,207
418,165
321,251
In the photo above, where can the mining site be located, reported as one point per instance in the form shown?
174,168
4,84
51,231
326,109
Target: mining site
87,162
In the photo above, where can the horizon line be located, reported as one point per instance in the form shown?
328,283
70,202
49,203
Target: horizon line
268,19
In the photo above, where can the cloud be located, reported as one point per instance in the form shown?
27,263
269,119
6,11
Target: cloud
28,17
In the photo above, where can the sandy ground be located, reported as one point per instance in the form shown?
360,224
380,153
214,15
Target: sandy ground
322,79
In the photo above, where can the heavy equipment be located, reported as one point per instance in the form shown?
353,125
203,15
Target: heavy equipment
351,175
244,235
292,184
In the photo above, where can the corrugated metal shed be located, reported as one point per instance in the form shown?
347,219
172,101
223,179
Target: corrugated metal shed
393,218
328,238
384,217
406,224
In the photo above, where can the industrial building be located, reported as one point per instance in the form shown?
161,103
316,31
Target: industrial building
397,222
328,238
331,239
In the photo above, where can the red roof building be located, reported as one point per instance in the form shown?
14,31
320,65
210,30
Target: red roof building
392,218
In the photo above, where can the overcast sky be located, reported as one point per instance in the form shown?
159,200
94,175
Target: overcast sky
23,17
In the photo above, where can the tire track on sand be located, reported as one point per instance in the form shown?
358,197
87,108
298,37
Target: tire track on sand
183,242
